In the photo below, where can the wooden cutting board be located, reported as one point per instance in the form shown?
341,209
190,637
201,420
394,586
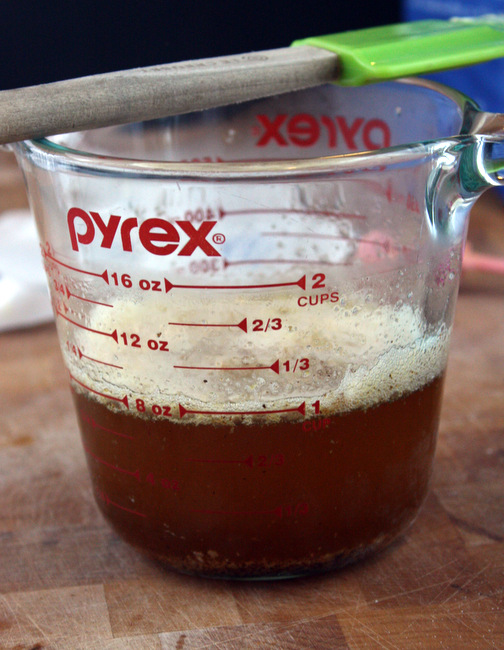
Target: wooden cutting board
67,581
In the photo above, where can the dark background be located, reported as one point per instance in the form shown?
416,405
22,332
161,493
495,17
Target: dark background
43,41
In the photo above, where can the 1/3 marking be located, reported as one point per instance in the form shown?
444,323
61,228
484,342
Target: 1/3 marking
297,364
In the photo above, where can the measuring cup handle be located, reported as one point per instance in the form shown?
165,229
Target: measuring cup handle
489,127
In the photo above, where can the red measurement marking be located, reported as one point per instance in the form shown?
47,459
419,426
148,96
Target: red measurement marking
65,307
123,400
248,461
278,511
320,213
89,420
103,275
300,509
88,329
304,235
317,262
135,474
94,302
296,409
385,244
241,325
274,366
105,363
109,502
298,283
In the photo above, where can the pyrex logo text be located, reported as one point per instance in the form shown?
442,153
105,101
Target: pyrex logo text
305,130
157,236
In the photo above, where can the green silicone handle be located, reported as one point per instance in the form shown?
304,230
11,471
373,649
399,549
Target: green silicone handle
406,49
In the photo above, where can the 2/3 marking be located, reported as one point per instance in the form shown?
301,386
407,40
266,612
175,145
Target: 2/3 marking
260,325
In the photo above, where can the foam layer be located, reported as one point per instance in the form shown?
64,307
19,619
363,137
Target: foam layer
346,356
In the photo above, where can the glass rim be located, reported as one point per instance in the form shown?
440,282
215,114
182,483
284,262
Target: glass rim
63,157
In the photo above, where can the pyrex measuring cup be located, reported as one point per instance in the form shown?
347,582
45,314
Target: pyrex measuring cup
254,304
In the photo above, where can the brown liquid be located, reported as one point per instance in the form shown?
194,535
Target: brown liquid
263,500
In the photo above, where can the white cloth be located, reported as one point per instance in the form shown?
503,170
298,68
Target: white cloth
24,296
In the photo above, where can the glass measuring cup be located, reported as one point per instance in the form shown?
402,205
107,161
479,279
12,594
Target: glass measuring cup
254,304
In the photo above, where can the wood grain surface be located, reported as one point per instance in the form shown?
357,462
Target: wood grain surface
67,581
